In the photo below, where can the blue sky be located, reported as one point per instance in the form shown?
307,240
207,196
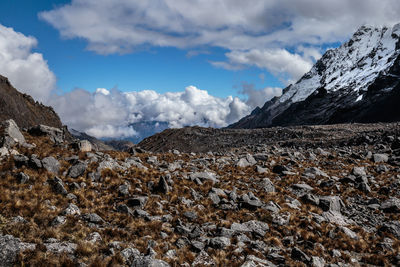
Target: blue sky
165,69
105,65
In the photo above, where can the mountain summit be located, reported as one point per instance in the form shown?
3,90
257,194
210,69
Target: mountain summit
357,82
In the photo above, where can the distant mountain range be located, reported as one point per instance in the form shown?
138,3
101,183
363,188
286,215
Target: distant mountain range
357,82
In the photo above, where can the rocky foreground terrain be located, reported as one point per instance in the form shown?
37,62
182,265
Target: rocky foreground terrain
315,196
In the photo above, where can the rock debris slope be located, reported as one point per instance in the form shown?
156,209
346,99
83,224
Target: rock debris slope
287,204
357,82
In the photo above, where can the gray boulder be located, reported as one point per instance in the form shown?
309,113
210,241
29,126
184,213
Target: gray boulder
77,170
57,247
93,218
71,209
267,185
220,242
148,261
10,247
11,134
246,161
51,164
378,158
58,186
56,135
358,171
204,176
315,172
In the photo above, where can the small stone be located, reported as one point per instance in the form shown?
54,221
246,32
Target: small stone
94,237
71,209
93,218
220,242
20,160
124,209
190,215
358,171
59,220
203,259
22,178
137,202
378,158
123,190
315,172
280,169
162,186
299,255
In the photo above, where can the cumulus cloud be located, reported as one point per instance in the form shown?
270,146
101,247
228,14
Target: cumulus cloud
257,98
26,70
285,65
108,113
122,26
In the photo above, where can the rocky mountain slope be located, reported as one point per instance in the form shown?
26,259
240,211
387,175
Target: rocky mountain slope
25,111
290,203
198,139
357,82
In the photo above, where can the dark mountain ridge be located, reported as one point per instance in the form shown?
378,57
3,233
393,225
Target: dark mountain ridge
25,111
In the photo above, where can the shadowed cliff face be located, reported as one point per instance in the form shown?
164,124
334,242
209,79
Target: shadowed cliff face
25,111
357,82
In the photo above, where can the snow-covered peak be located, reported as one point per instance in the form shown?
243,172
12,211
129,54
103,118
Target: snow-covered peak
352,66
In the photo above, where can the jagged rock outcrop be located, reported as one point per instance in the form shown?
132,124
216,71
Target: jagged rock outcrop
357,82
25,111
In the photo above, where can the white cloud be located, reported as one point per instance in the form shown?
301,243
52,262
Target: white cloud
289,67
107,113
121,26
257,98
26,70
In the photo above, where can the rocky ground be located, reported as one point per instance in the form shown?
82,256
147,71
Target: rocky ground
315,196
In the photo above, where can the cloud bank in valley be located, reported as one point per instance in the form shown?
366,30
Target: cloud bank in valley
107,113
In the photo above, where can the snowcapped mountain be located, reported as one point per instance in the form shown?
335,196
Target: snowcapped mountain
356,82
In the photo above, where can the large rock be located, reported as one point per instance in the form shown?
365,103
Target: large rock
56,135
57,186
204,176
267,185
77,170
10,247
10,134
58,247
51,164
253,226
148,261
